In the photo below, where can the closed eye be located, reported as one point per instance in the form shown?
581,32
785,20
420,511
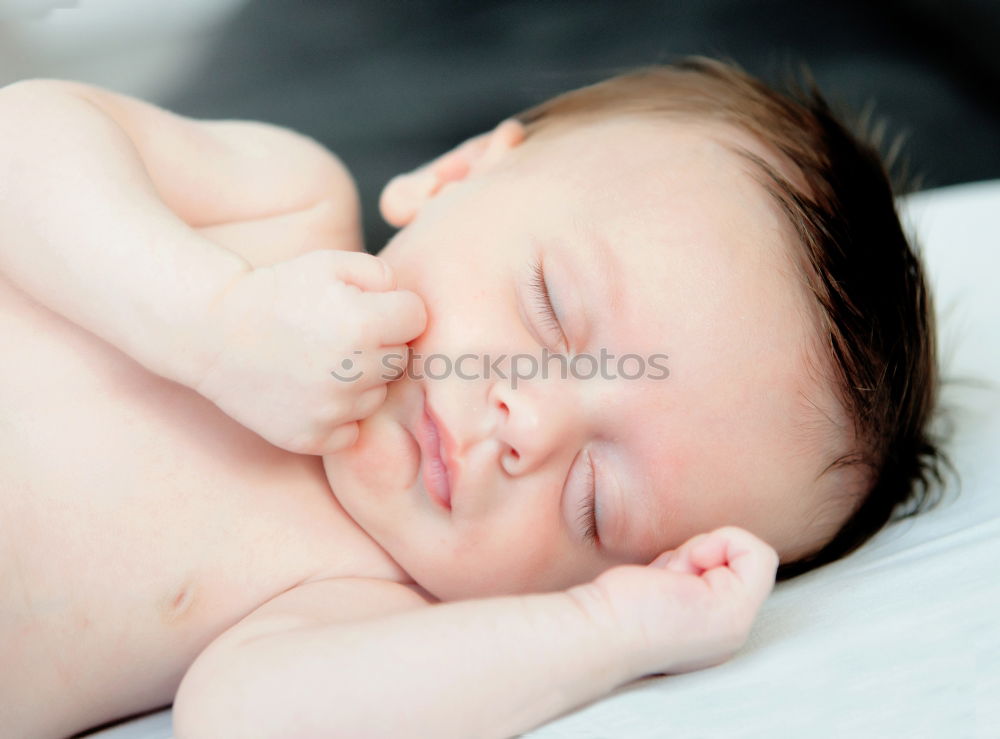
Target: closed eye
587,511
543,301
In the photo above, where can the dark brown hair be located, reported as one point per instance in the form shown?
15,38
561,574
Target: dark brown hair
876,313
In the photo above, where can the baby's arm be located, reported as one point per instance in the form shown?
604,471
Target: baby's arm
102,196
371,658
389,665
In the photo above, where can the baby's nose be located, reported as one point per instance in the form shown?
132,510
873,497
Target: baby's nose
533,421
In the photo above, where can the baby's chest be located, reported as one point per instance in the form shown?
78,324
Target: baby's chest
135,516
112,474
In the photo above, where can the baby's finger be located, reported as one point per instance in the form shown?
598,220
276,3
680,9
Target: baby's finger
363,369
752,560
393,361
708,551
742,561
359,268
674,561
339,439
400,316
679,560
368,402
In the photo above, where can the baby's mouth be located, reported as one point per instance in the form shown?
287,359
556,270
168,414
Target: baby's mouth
434,457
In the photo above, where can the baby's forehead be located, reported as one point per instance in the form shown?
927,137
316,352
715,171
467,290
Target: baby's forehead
655,155
649,134
630,158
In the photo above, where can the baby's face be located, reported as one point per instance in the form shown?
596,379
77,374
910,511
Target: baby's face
654,241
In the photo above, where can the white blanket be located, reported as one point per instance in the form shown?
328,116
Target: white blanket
902,638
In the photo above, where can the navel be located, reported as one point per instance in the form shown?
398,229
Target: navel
180,604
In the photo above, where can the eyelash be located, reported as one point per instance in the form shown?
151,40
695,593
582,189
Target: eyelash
587,512
543,300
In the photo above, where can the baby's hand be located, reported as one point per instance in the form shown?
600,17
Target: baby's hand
303,349
692,607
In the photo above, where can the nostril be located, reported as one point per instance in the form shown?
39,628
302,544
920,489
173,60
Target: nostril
509,462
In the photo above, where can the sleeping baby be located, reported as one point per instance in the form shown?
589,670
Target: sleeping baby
633,355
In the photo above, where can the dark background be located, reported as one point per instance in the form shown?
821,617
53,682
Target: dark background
389,85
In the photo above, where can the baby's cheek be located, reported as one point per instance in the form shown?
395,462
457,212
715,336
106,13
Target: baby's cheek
493,558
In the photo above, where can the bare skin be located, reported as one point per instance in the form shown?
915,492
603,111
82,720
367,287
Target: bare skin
138,521
156,549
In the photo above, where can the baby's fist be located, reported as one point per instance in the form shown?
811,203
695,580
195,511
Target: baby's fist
304,349
692,607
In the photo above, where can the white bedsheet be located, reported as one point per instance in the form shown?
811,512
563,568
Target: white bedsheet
901,639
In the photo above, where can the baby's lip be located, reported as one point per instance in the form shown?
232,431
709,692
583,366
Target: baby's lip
447,444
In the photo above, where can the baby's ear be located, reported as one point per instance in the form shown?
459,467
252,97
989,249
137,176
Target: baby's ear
405,194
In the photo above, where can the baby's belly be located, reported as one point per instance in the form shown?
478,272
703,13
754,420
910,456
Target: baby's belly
137,522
